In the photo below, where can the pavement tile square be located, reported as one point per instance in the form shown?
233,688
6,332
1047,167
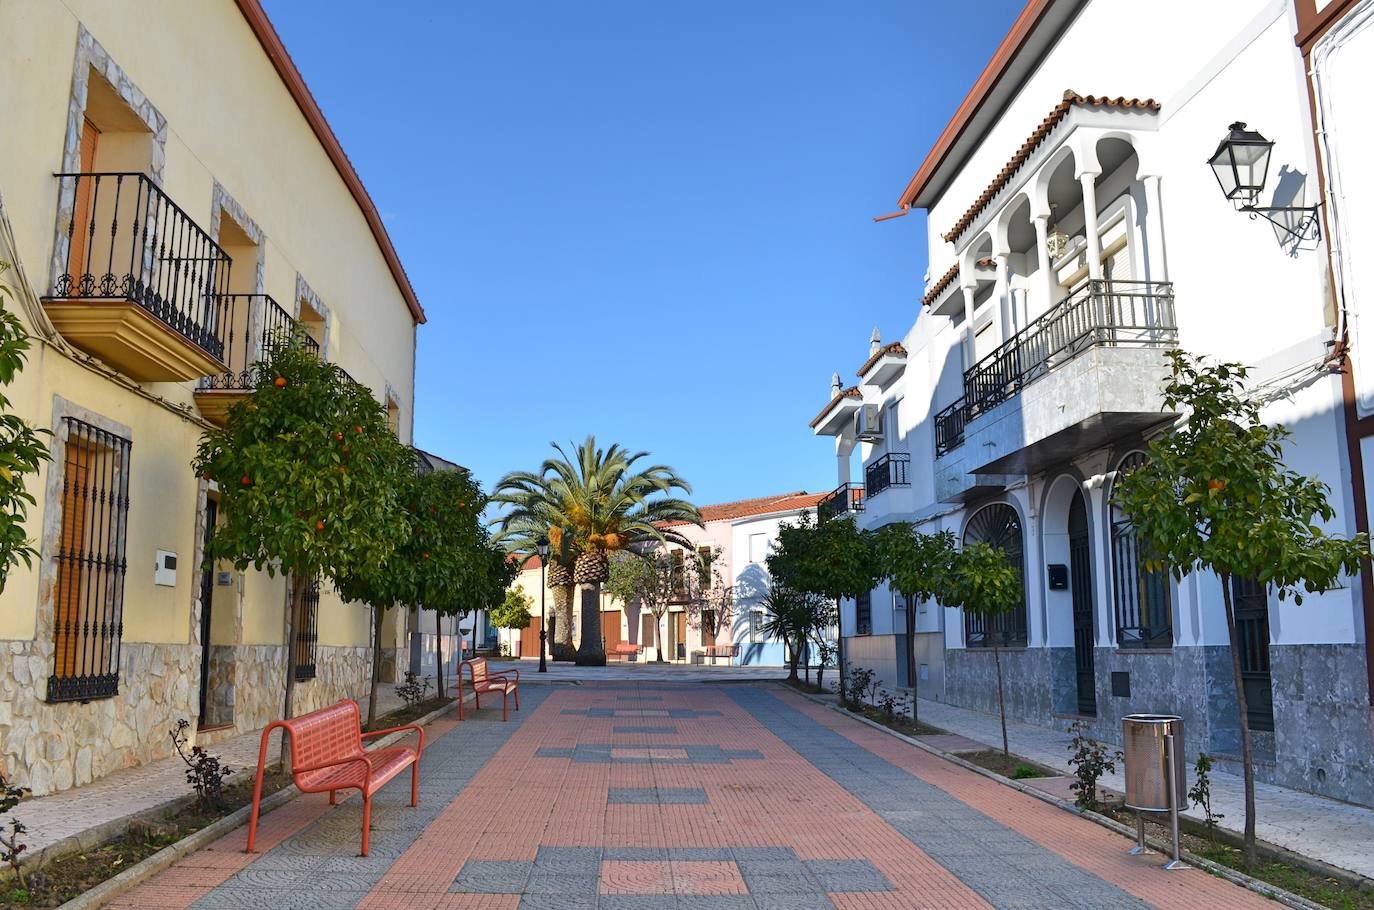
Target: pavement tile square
656,796
636,877
837,875
707,877
489,876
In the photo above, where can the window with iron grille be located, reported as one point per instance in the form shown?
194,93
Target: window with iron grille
863,614
307,629
1250,600
999,526
1140,593
677,578
88,599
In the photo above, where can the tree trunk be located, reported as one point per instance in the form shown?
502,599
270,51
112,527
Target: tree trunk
658,638
792,662
911,667
806,660
297,596
439,653
820,672
591,650
839,646
1001,704
561,643
378,616
1246,758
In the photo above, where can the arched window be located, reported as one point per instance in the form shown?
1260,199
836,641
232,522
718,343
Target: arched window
999,526
1140,596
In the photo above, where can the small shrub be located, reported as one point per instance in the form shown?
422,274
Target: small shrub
1024,771
862,684
204,772
1201,794
12,844
414,690
1090,760
504,649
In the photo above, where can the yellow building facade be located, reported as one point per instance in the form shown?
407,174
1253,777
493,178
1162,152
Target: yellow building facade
170,198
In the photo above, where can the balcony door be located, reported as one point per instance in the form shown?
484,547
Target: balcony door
81,208
1081,587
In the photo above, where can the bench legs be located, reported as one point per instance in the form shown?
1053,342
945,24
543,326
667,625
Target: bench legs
415,782
367,819
333,797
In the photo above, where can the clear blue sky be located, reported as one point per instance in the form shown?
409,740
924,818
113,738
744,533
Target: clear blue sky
649,221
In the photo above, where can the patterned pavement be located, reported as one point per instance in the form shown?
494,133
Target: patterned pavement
641,796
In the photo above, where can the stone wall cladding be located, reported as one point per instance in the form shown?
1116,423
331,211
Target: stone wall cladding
1323,723
51,747
971,680
874,652
219,705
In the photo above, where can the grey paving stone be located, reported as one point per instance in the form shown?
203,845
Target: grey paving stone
700,854
666,796
635,902
492,876
793,902
637,854
558,902
836,875
630,728
550,882
764,853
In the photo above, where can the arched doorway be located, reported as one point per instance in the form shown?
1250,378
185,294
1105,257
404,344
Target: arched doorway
1084,608
999,526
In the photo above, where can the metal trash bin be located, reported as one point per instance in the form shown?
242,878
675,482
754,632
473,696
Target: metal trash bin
1147,761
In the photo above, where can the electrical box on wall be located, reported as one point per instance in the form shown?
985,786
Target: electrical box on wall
1059,577
165,572
224,579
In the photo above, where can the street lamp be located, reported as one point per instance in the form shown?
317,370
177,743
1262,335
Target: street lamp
1241,166
542,545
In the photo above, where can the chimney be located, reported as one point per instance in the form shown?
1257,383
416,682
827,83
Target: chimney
835,387
875,342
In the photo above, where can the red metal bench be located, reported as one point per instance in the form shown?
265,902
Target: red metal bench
483,680
626,650
730,650
327,755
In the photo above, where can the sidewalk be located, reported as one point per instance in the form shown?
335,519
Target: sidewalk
92,809
1324,829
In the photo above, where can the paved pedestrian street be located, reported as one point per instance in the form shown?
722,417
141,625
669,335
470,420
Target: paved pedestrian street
639,796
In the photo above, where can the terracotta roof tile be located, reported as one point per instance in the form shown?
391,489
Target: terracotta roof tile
893,348
761,505
851,392
1071,100
940,284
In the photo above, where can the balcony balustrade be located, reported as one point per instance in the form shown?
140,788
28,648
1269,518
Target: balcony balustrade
254,326
887,471
847,497
140,280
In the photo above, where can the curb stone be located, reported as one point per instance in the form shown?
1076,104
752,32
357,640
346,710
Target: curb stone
140,872
1287,898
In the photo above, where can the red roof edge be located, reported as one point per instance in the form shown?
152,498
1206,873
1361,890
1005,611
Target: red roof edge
992,74
295,84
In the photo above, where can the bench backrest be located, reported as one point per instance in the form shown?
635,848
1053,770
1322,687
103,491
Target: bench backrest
478,668
325,736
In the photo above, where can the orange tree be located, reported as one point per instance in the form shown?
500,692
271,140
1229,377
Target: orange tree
431,559
1215,495
309,479
22,449
917,566
980,581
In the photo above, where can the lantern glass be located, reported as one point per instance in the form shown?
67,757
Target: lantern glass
1241,164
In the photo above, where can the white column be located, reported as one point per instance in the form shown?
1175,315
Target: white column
1088,180
1042,252
1156,260
842,453
970,352
1002,292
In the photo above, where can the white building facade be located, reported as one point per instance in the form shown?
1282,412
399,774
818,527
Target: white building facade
1075,238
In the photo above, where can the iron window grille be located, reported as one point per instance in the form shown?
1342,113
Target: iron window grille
863,614
126,240
999,526
1140,593
888,471
307,629
88,601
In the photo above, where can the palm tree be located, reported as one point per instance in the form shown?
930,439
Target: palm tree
600,502
520,537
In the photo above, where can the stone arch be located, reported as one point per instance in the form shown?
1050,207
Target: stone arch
1000,525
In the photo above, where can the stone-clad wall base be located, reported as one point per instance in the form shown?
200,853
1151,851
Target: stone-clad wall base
52,747
219,704
1027,674
340,672
874,652
1323,724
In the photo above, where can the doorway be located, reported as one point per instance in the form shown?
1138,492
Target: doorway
207,594
1251,604
1084,607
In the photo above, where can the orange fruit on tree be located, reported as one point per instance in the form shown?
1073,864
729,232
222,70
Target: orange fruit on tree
246,480
281,382
319,526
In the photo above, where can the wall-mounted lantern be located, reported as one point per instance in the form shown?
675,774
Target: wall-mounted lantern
1241,166
1056,241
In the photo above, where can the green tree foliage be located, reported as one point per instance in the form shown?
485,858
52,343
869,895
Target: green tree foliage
982,582
605,501
1216,496
795,617
22,448
514,610
917,567
831,558
310,479
646,575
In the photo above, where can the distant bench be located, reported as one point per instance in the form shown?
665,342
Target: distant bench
626,650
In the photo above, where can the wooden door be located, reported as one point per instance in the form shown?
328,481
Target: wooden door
72,553
681,638
610,630
529,639
81,209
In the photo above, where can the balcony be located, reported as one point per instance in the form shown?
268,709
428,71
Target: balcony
888,471
139,280
254,325
846,498
1083,374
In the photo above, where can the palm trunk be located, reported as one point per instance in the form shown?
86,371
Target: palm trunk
1001,703
792,662
378,616
297,596
591,651
1246,759
911,656
561,647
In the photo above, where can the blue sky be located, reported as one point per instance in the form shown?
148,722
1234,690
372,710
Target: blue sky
646,221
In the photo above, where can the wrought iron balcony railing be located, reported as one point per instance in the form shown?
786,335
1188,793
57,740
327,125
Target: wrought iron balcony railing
847,497
126,240
888,471
1098,314
254,325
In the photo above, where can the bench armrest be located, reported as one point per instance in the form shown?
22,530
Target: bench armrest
416,728
505,673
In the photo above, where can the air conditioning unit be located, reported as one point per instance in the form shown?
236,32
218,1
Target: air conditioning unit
868,423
